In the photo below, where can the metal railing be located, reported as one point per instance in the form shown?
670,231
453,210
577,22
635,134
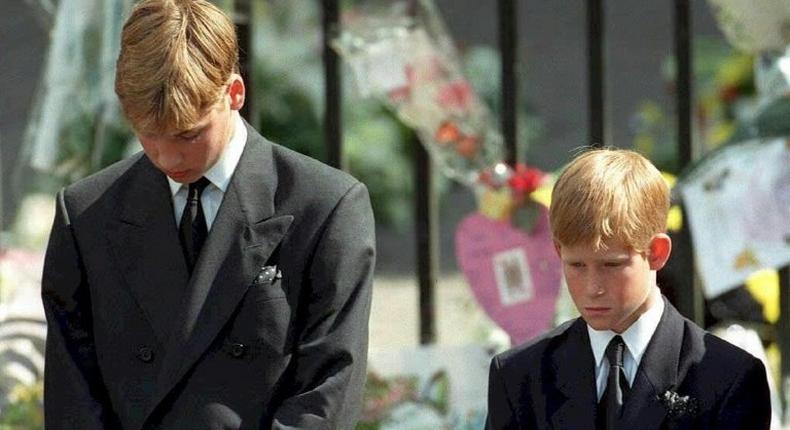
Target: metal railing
689,299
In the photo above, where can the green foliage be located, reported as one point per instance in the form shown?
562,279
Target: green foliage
381,395
772,121
26,410
386,398
723,86
286,113
86,148
482,66
289,93
655,136
374,142
378,151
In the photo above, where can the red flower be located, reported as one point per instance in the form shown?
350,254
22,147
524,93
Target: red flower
525,179
467,147
455,95
448,132
729,94
400,94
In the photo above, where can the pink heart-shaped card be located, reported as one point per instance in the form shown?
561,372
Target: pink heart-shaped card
514,275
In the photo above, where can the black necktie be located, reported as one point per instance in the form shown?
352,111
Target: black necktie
192,229
614,396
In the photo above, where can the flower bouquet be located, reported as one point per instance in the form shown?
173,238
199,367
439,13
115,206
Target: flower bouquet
409,62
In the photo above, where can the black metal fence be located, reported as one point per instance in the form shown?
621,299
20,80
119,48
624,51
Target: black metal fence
689,301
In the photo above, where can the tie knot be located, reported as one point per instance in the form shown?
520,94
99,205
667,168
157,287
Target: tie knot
614,351
198,186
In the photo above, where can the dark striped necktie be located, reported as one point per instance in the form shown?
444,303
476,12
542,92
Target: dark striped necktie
192,230
610,407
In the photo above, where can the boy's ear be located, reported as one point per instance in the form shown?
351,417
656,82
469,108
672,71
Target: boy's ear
660,248
236,91
558,248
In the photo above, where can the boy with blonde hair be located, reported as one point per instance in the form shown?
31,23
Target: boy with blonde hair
630,361
215,280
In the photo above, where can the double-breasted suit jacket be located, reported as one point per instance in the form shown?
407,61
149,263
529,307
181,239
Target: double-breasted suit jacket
269,331
687,379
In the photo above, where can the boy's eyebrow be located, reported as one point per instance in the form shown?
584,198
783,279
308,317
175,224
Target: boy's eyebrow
615,258
619,257
194,130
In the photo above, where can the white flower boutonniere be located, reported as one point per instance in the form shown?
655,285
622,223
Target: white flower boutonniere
678,406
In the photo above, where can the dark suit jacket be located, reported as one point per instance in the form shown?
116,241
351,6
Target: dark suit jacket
135,342
550,383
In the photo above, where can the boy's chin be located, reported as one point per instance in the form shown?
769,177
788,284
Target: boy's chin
601,324
597,324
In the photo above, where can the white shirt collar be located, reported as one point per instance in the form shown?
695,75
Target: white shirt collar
636,337
221,172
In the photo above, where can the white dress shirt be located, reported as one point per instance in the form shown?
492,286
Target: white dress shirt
636,339
219,175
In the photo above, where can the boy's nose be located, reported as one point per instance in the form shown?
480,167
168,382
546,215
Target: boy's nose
169,158
595,287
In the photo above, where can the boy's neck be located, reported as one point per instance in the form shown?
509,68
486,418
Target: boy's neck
650,301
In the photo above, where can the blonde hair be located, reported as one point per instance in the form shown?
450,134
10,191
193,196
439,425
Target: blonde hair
176,58
607,195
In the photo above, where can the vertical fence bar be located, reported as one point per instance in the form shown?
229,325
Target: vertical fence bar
689,300
783,334
3,222
333,132
595,72
426,226
682,41
508,45
243,17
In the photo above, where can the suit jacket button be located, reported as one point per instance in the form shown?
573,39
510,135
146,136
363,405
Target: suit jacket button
145,354
237,349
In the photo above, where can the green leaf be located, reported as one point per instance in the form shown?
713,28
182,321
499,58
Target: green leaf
526,216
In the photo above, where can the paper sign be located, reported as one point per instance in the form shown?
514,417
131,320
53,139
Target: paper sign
513,279
738,207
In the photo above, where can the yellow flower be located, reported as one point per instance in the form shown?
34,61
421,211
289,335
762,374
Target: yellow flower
764,286
735,70
496,204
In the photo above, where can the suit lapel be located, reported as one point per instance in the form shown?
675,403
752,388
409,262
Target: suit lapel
661,369
243,236
144,243
574,367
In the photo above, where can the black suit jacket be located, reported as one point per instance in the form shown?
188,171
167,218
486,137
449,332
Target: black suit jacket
135,342
550,383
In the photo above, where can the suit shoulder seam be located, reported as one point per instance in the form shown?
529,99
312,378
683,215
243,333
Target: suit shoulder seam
61,201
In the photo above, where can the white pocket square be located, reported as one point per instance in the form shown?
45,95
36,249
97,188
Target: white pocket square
267,275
